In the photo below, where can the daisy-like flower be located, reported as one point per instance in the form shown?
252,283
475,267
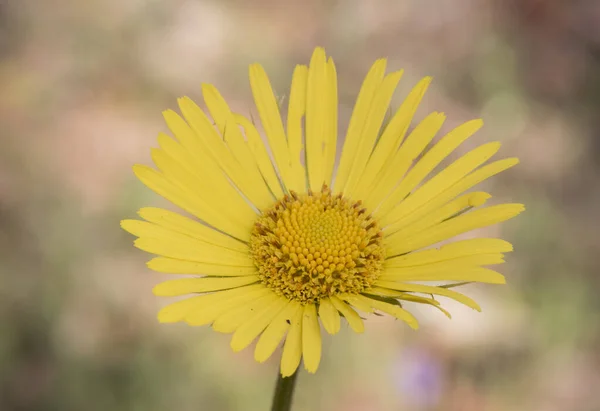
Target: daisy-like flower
280,243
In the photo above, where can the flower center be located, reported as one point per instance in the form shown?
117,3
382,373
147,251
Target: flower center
315,245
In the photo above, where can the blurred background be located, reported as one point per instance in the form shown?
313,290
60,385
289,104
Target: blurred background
83,84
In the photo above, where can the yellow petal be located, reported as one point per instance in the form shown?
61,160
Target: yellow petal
296,111
461,224
397,231
426,289
311,338
199,285
357,122
292,348
275,331
217,106
391,309
408,297
394,268
193,186
216,304
478,274
395,168
229,321
330,317
461,186
174,266
177,222
354,320
451,251
370,132
391,139
261,155
177,311
268,111
158,240
243,154
238,147
255,324
316,106
433,158
217,149
187,201
195,168
391,211
331,127
354,301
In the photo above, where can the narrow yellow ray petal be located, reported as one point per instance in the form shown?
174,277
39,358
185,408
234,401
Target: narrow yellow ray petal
331,128
176,312
330,317
476,246
268,111
223,194
174,266
203,142
189,250
478,274
357,122
161,241
316,106
176,222
192,204
356,302
255,324
391,138
311,338
396,167
396,232
385,292
442,197
226,123
422,300
275,331
218,150
296,111
431,159
354,320
461,224
208,137
217,106
292,348
394,310
184,134
450,251
445,265
243,154
427,289
200,285
229,321
377,112
192,185
391,211
259,151
215,304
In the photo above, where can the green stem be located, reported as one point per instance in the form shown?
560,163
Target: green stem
284,391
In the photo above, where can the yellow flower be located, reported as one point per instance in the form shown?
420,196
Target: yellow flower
281,244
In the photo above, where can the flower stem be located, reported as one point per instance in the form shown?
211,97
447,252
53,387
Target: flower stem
284,391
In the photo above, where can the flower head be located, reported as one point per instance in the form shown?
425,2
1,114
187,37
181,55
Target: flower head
278,245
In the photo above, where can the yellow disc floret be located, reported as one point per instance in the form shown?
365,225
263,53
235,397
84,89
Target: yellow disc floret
315,245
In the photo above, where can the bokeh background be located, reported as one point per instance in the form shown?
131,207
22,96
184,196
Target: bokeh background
83,84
